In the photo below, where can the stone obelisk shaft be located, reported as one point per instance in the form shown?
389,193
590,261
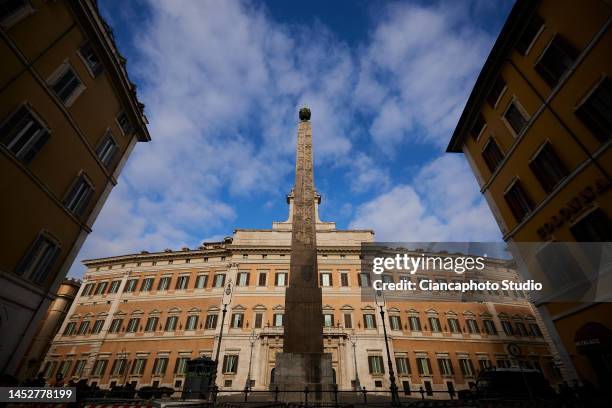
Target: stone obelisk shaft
303,299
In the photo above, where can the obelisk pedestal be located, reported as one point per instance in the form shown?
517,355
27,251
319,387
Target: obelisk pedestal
302,362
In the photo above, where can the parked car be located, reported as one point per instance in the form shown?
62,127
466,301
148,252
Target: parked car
509,383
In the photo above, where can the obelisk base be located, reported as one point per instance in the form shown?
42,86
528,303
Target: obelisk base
295,371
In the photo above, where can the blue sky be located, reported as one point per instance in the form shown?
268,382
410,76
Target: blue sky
222,82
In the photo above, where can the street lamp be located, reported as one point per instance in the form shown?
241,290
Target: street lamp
252,340
380,302
227,299
353,340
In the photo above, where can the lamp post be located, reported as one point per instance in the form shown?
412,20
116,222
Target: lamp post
252,339
227,299
353,340
380,302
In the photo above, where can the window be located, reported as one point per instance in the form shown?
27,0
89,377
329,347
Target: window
171,322
467,369
107,149
78,368
159,366
325,279
182,282
201,281
79,196
522,329
146,285
519,202
130,286
395,322
278,320
237,320
281,279
453,325
364,280
472,326
507,326
115,325
114,287
151,325
219,280
502,363
230,364
415,323
99,368
91,59
101,288
180,367
66,84
328,320
243,279
36,265
478,127
556,60
211,321
262,279
403,366
83,327
258,320
348,321
70,329
596,111
97,327
369,321
124,123
23,135
529,34
489,326
492,155
548,168
375,365
535,329
515,118
88,289
164,283
13,11
192,323
139,366
595,227
50,368
424,365
133,325
119,366
344,279
496,91
484,363
446,366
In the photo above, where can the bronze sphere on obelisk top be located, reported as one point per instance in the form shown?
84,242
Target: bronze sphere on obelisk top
305,113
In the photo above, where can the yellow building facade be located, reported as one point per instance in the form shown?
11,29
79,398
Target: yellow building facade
69,118
537,131
138,318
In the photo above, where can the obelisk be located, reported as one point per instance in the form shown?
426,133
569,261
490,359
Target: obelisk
302,362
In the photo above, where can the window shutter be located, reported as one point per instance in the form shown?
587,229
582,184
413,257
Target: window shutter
370,364
248,278
26,262
429,365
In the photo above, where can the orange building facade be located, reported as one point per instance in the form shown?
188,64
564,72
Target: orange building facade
138,318
69,119
537,132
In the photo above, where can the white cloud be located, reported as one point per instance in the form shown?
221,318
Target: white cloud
418,69
441,204
222,83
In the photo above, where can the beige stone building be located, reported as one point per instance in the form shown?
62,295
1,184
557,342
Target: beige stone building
139,317
69,119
